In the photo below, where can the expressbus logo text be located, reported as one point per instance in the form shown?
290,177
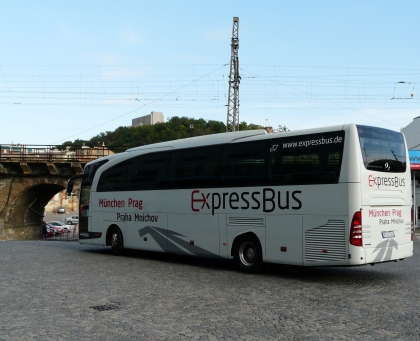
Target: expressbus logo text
267,199
386,181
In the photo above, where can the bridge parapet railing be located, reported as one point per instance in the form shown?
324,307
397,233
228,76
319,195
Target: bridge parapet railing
50,153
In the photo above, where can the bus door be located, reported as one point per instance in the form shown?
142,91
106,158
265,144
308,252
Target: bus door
84,223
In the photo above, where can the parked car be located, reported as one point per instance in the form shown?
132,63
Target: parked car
72,220
57,230
61,210
61,225
50,231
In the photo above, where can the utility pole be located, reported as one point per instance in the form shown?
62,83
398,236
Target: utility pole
232,122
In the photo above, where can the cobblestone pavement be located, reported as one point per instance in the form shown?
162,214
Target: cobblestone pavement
61,290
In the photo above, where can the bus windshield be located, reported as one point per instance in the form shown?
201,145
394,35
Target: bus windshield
383,150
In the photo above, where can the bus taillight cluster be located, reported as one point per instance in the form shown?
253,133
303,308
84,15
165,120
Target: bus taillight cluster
356,237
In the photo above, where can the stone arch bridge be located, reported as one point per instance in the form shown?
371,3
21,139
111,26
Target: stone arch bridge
29,177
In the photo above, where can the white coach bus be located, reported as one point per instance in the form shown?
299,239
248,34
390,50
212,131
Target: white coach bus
334,196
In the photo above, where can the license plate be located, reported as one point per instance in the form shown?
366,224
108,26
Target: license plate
388,234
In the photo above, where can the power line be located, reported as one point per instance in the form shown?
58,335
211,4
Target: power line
211,64
147,104
342,106
260,90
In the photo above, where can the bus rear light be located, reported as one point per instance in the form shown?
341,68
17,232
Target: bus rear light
356,237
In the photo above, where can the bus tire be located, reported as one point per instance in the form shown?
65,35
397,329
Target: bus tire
117,244
247,254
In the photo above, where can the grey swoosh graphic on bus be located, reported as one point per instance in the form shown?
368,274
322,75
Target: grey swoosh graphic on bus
158,234
388,245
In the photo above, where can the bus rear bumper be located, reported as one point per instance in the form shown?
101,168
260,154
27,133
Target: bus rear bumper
388,253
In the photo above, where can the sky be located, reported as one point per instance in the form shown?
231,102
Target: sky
73,69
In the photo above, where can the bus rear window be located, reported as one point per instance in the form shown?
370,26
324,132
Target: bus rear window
383,150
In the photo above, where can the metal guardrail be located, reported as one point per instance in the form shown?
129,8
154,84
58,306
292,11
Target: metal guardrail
17,152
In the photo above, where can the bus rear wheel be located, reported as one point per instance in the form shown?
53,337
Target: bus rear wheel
117,245
248,254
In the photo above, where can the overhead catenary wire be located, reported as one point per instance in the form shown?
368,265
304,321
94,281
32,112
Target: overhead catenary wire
261,88
344,107
172,92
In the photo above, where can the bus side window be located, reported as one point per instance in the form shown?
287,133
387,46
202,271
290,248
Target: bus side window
147,171
302,163
196,167
114,178
245,164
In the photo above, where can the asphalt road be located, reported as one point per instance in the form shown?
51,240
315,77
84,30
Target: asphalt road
61,290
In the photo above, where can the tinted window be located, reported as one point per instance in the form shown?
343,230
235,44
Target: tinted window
195,168
245,164
147,172
306,159
91,170
114,178
309,159
383,150
141,173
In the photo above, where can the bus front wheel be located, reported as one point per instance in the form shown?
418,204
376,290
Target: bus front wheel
117,245
248,254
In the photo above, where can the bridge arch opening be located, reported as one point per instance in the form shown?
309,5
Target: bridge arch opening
30,175
24,212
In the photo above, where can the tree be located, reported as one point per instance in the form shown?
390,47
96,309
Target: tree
281,129
245,126
175,128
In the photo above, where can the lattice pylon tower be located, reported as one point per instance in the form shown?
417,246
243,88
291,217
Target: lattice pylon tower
232,122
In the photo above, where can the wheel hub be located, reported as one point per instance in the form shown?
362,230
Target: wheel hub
247,253
250,254
114,240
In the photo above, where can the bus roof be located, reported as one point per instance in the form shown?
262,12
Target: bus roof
220,138
232,137
203,140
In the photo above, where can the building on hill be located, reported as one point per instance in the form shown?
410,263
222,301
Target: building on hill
153,118
269,130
